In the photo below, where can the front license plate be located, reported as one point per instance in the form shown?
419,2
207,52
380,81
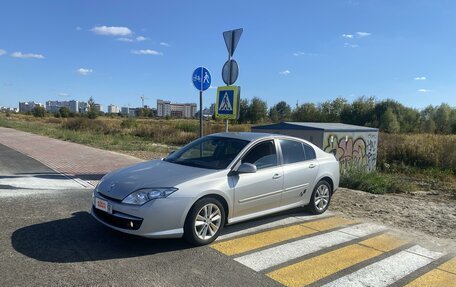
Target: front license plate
103,205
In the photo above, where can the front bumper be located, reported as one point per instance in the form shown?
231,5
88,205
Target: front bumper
160,218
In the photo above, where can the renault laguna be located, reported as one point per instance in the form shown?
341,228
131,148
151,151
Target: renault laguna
218,179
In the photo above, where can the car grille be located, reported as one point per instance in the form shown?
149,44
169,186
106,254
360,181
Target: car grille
124,223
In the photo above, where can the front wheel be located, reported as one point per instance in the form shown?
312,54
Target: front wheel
321,197
204,221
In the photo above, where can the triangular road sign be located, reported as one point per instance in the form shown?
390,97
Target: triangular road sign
225,105
232,39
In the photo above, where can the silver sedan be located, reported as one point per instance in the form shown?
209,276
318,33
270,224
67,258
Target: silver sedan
216,180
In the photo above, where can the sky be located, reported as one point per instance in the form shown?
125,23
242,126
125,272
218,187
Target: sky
297,51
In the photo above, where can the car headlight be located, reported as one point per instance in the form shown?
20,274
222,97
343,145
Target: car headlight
144,195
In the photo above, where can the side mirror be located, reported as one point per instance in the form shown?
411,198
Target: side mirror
247,168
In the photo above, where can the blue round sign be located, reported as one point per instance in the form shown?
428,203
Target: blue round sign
201,79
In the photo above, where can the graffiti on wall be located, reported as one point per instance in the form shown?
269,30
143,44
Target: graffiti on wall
359,151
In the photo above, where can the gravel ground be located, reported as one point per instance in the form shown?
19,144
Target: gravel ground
417,214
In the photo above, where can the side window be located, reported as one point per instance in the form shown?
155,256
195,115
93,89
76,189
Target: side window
262,155
310,152
292,151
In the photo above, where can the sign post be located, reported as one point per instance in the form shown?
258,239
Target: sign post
201,79
230,74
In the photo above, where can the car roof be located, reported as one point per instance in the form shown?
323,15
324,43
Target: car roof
247,136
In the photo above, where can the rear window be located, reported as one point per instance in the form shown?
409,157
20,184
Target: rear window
292,151
310,152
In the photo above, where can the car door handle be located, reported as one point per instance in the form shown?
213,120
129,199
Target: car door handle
276,176
312,165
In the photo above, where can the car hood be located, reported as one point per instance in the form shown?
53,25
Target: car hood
156,173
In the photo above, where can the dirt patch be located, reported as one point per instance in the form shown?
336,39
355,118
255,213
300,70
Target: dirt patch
416,214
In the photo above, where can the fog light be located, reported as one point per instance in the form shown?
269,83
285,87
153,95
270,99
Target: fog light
131,224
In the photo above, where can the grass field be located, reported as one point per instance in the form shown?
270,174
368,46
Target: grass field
404,162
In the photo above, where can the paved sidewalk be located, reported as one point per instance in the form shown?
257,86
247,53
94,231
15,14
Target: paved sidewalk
71,159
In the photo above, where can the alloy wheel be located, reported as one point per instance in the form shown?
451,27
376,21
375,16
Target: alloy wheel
207,221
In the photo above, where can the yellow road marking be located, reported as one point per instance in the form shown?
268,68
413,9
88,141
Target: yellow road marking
250,242
438,277
321,266
326,224
449,266
383,242
434,278
262,239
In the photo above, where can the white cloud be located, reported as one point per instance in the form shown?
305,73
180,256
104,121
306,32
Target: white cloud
164,44
78,28
299,53
147,52
111,31
141,38
26,55
422,78
2,52
349,36
286,72
123,39
212,87
423,90
84,71
348,45
363,34
63,94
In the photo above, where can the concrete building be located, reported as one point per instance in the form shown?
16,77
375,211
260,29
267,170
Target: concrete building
25,107
177,110
351,145
163,108
113,109
83,107
125,111
54,106
183,110
9,110
98,107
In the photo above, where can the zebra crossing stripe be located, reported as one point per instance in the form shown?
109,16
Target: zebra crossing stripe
442,276
274,256
261,225
266,238
387,271
319,267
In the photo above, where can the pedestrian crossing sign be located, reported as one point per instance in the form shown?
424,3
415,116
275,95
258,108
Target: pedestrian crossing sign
227,102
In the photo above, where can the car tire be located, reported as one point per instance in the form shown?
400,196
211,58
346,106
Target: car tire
204,221
321,197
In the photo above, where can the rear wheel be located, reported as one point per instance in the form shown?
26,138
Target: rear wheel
204,221
321,197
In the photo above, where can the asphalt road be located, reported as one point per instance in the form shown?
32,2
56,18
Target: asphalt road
48,238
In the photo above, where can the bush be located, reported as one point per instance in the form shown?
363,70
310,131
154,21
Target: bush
85,124
128,123
373,182
417,150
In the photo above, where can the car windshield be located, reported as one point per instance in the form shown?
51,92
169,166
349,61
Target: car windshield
208,152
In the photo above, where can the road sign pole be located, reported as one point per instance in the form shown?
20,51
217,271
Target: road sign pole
201,113
226,121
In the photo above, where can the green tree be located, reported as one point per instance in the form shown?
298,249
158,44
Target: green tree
258,110
243,111
64,112
307,112
388,122
360,112
93,113
442,119
280,112
38,111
